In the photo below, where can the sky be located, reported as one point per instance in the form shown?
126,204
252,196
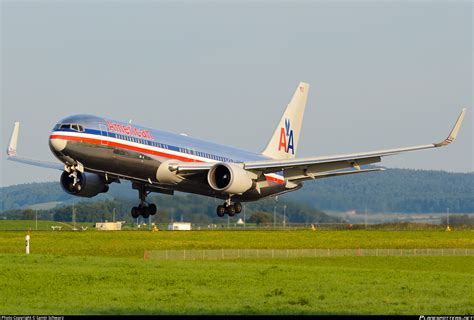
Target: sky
382,74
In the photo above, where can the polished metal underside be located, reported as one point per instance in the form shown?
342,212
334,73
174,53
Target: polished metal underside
116,163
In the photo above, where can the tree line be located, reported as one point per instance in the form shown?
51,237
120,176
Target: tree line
393,190
190,208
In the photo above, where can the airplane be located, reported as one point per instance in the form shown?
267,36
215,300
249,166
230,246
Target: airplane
97,151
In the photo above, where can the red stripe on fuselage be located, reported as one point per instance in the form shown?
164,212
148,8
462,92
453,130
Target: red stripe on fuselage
138,149
123,146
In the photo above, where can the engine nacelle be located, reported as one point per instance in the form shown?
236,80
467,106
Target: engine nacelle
229,178
88,184
165,175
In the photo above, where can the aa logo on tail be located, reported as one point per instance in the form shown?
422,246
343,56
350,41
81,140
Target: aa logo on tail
286,138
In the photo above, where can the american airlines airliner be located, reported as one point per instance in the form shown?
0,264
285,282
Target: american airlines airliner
96,151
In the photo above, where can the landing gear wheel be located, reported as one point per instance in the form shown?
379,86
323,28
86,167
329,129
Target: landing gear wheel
238,207
135,212
144,209
145,212
152,209
220,211
230,211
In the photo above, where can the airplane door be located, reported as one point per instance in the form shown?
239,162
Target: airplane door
103,133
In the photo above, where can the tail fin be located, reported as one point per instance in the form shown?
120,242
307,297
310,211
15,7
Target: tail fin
284,141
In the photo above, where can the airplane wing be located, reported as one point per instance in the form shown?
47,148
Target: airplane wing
305,176
313,165
12,154
296,170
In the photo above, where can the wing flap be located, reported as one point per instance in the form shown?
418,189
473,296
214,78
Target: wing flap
332,174
318,168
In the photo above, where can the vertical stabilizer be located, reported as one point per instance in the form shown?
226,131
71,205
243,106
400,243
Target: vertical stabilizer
284,142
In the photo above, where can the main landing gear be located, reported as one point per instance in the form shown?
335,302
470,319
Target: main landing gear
229,208
144,209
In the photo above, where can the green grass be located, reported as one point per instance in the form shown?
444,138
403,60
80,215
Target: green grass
96,272
355,285
134,243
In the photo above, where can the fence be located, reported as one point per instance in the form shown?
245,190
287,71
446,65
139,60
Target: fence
222,254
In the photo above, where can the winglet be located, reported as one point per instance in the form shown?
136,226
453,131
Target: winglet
11,151
454,131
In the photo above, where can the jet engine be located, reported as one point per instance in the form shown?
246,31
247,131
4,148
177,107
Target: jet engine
229,178
87,184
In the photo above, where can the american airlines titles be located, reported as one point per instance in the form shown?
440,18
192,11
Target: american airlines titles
129,130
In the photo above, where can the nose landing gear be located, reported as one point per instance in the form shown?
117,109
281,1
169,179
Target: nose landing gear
74,180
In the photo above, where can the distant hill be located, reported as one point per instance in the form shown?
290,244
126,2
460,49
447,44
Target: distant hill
30,194
394,190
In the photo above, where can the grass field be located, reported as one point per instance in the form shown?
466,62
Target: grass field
104,273
41,225
134,243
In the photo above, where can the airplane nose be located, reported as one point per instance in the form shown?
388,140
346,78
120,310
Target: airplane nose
57,144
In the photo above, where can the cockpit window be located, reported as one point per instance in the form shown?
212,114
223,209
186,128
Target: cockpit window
57,126
72,126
